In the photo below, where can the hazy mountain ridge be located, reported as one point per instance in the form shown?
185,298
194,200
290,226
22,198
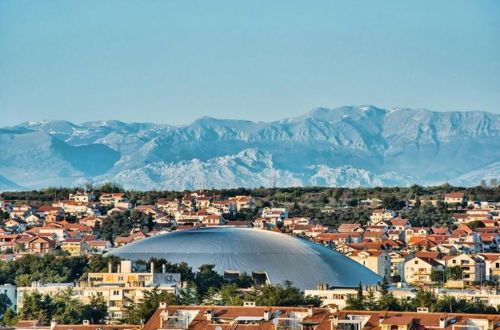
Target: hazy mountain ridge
347,146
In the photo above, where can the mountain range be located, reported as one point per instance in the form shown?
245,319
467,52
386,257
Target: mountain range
347,146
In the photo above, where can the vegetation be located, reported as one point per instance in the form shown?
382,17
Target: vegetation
313,197
121,223
62,307
281,295
137,312
4,304
454,273
51,268
387,301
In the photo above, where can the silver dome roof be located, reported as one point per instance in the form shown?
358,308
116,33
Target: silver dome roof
282,257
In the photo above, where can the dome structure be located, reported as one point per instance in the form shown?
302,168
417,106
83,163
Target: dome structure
281,257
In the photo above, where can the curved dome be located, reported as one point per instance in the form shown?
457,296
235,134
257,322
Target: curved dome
281,256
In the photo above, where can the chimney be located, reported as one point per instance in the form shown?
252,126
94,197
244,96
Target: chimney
152,267
442,321
86,322
110,267
333,308
267,315
119,269
209,314
163,304
164,269
310,311
163,316
335,320
126,266
53,324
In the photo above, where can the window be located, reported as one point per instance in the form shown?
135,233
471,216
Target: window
116,292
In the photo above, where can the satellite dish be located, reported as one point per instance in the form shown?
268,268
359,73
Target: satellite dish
276,321
218,327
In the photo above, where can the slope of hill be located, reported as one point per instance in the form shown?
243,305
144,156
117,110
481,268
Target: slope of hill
347,146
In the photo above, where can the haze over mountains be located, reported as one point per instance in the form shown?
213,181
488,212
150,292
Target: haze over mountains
347,146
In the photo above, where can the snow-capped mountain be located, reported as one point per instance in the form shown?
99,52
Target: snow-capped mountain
347,146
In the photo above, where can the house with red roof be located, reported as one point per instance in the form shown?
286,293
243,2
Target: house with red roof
15,225
350,227
399,224
99,246
454,198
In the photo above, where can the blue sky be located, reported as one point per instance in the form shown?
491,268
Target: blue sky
174,61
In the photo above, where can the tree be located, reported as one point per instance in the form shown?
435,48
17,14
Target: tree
4,303
279,295
475,224
141,311
189,294
230,295
9,317
393,203
37,307
388,302
384,287
437,275
243,281
95,311
454,273
207,278
65,308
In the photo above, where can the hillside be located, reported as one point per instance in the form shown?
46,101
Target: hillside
347,146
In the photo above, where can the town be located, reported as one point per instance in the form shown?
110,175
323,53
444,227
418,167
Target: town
436,249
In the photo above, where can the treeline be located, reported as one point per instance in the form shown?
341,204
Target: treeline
51,268
436,304
201,287
62,308
121,223
313,196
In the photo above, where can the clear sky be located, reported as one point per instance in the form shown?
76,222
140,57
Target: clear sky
171,61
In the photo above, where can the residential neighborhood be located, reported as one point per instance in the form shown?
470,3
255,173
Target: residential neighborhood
460,260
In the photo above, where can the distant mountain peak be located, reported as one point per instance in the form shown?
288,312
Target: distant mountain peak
346,146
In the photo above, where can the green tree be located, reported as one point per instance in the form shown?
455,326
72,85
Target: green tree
4,303
393,203
189,294
356,302
207,278
475,224
141,311
454,273
230,295
37,307
437,275
384,287
9,317
278,295
65,308
95,311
